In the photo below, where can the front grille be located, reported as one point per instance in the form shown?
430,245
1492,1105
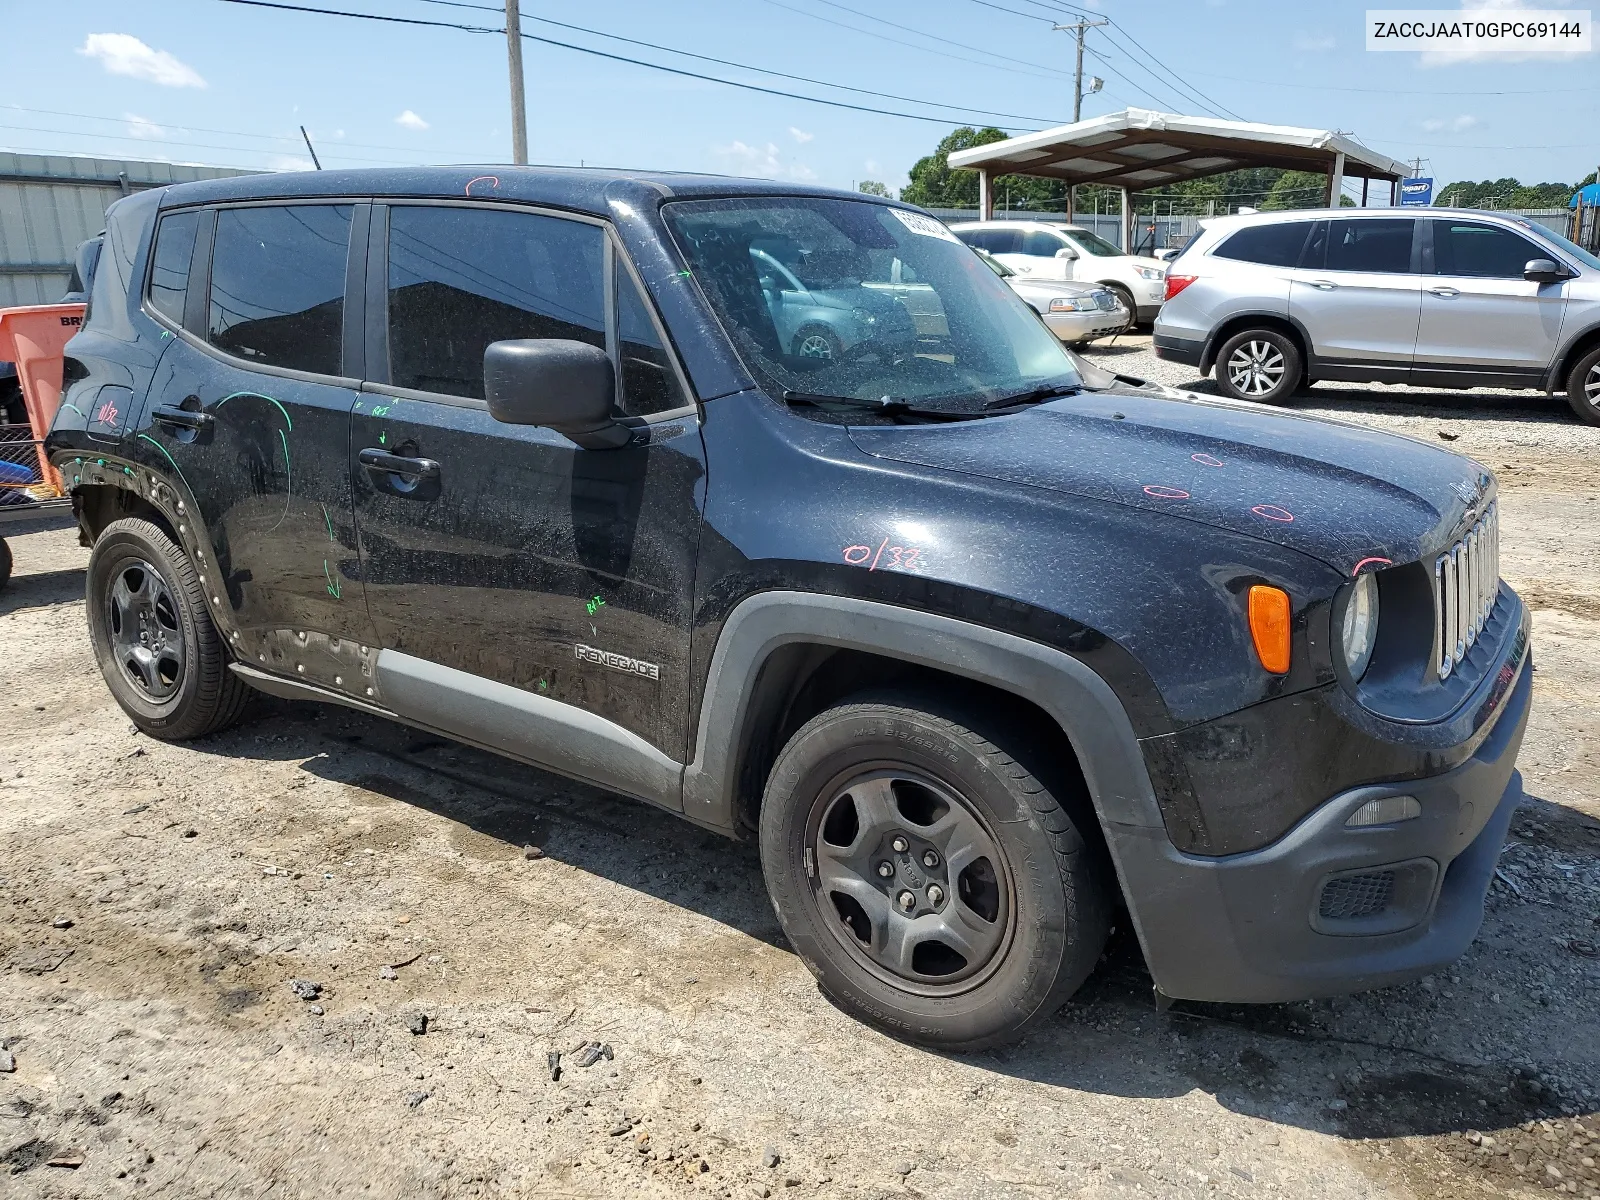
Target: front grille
1351,897
1466,581
1106,301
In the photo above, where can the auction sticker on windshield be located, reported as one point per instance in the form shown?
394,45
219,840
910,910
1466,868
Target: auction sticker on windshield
926,226
1480,30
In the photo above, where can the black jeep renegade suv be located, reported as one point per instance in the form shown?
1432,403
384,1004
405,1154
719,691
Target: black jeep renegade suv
775,507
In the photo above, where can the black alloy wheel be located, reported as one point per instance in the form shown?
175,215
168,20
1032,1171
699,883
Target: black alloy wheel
925,871
150,624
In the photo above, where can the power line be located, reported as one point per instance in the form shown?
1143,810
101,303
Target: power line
276,137
1006,65
750,87
758,70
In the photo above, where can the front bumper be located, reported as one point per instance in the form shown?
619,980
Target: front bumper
1253,927
1080,326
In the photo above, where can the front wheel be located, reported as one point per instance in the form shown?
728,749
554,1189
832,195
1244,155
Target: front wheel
935,887
1262,365
1126,297
160,653
819,342
1583,387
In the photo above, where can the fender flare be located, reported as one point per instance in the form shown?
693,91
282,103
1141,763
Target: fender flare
1083,704
1208,354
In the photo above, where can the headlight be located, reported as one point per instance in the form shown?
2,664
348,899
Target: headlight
1073,304
1358,627
1150,273
863,316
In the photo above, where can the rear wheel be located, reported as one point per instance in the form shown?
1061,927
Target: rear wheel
1263,365
5,562
162,657
932,883
1583,387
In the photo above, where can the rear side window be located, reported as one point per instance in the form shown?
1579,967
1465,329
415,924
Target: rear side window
169,269
1041,244
460,278
1275,245
277,285
649,384
1380,245
1481,251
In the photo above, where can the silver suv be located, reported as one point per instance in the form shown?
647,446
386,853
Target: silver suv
1439,297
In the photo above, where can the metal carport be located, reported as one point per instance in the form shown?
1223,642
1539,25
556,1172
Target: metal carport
1138,149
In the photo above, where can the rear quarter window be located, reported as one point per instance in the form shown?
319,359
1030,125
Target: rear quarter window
1275,245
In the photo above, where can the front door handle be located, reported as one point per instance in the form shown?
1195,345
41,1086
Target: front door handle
1324,285
182,418
398,475
1445,292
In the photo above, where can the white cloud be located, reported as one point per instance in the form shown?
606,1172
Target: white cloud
410,120
1449,124
1489,9
800,135
1314,42
142,127
124,54
764,162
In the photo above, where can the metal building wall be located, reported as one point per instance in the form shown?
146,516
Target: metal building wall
50,203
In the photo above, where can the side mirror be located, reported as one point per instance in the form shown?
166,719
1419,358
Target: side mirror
1543,270
562,385
1066,252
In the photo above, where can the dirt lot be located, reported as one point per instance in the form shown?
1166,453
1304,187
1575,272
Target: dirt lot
160,901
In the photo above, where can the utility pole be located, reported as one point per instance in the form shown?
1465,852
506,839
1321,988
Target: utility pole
519,107
1079,28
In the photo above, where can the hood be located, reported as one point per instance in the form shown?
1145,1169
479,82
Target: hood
1349,496
1045,289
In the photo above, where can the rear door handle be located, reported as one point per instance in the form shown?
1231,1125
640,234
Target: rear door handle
1324,285
182,418
1446,292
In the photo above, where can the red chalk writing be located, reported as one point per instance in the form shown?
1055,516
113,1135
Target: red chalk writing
1162,492
884,556
106,414
1273,513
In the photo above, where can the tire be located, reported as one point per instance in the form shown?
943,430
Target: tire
1262,365
1028,903
1126,297
5,562
162,657
818,341
1583,387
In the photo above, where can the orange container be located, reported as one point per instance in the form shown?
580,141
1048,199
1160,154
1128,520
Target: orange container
33,338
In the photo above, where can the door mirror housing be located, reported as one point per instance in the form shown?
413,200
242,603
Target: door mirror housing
1543,270
1066,252
562,385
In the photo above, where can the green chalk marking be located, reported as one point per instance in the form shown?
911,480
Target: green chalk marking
329,520
334,589
169,458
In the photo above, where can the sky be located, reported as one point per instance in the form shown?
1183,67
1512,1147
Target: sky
226,84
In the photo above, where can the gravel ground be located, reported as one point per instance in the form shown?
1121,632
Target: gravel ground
312,957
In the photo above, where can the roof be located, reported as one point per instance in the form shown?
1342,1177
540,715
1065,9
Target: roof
1589,195
580,189
1138,148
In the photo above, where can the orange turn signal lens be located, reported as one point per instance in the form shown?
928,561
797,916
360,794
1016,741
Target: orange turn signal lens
1269,627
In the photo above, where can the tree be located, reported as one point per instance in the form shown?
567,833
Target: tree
1506,193
935,185
873,188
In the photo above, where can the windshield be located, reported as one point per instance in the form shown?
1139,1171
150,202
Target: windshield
1577,252
859,300
1094,243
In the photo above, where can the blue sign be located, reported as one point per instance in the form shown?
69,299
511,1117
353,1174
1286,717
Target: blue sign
1416,193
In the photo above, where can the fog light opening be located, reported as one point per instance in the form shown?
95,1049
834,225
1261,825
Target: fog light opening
1386,810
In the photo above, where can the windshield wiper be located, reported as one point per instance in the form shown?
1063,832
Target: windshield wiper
1034,395
885,404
